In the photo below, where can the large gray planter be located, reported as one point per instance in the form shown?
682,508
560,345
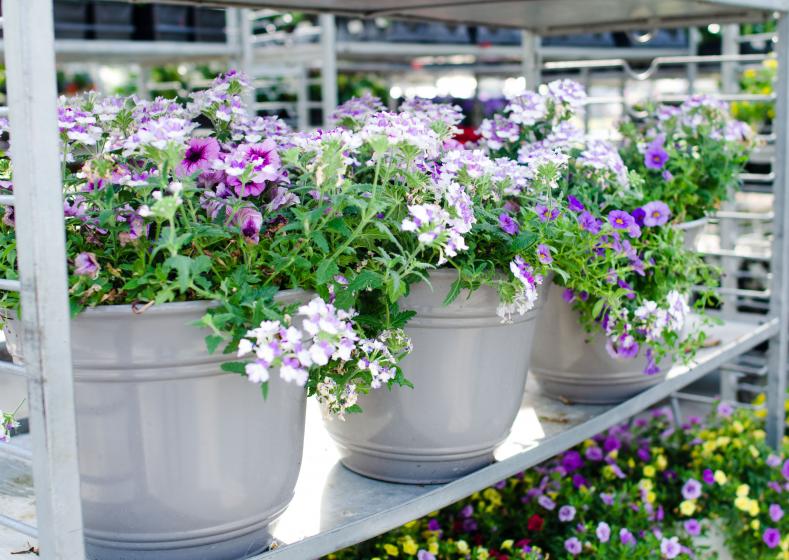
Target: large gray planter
469,372
569,368
178,460
692,231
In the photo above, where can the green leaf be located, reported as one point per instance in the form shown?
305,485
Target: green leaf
366,279
326,272
264,390
234,367
454,292
320,241
182,266
212,341
598,308
523,241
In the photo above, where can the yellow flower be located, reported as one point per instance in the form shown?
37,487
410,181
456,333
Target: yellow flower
631,463
761,414
492,495
738,427
645,484
759,434
753,508
409,546
755,524
651,497
614,453
687,508
754,451
432,548
743,489
589,443
742,503
391,550
720,477
662,462
649,471
462,547
723,441
411,524
506,545
482,554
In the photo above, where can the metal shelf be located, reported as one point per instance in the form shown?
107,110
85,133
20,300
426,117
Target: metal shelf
334,507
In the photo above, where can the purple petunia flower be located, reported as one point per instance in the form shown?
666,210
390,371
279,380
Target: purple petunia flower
574,204
424,555
626,537
692,527
625,347
85,264
656,213
667,176
670,548
620,219
467,511
785,469
589,222
594,454
639,215
546,502
708,477
572,461
433,525
655,156
608,499
566,514
603,532
546,214
773,460
725,410
573,546
771,537
249,221
200,155
579,481
544,254
567,295
509,225
776,512
691,490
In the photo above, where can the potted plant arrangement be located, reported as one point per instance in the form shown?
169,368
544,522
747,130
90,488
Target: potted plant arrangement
472,228
690,157
617,308
182,243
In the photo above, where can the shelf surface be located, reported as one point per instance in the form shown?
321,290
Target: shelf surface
546,17
334,508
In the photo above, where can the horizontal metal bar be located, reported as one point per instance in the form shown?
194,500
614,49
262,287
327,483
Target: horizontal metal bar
12,450
743,292
9,368
751,216
758,177
10,285
18,526
721,96
735,254
6,200
745,369
751,387
770,36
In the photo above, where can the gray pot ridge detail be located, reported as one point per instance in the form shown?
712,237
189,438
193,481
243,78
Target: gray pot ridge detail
569,368
178,459
469,372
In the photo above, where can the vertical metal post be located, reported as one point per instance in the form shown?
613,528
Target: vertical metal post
779,301
328,66
530,59
143,76
727,226
694,38
246,37
32,94
303,97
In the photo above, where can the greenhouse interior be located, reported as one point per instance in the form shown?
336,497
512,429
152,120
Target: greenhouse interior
462,279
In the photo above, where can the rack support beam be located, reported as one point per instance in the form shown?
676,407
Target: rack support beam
779,303
328,66
32,95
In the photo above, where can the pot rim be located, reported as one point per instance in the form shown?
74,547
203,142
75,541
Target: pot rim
174,307
692,224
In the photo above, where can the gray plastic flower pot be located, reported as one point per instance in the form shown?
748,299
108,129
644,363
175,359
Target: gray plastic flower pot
692,231
569,368
178,459
469,372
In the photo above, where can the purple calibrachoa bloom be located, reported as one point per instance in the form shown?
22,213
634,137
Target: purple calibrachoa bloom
785,469
708,477
626,537
692,527
725,410
608,499
603,532
546,214
249,222
620,219
771,537
507,224
655,156
624,347
200,155
573,546
670,548
656,213
566,514
85,264
574,204
424,555
544,254
546,502
776,512
667,176
567,295
691,490
589,223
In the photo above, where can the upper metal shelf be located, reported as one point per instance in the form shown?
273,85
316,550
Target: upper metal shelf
545,17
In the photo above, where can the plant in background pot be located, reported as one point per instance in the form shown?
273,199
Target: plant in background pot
182,242
468,231
690,157
618,303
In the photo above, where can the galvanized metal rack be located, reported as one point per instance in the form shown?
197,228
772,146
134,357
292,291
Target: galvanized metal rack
333,507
